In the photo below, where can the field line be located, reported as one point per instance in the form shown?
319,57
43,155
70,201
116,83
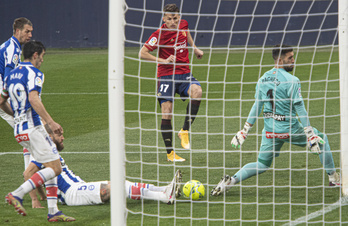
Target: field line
63,152
95,93
329,208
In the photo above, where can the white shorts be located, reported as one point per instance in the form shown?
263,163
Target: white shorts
39,144
84,193
8,118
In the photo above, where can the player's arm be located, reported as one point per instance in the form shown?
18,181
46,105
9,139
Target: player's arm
145,54
240,137
4,105
38,106
199,53
313,140
105,192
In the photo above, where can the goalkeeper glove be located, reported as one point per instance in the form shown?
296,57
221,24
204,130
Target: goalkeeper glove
314,141
240,137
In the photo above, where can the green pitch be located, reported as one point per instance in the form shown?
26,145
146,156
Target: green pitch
75,93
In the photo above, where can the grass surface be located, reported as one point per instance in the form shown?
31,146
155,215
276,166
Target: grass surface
75,94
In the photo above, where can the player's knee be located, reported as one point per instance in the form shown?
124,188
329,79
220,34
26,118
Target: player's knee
264,164
195,91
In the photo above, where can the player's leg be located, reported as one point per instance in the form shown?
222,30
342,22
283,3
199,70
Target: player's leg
164,194
267,150
165,93
189,87
9,119
325,157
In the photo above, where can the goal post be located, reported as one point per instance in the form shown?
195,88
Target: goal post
343,61
116,111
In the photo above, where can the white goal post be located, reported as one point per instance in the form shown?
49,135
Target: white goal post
343,61
116,111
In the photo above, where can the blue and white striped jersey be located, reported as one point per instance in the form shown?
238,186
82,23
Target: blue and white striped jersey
17,86
66,178
10,55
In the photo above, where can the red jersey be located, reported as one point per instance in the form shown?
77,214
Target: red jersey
171,42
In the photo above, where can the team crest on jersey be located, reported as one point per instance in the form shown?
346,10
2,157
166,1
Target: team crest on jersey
15,59
38,81
184,33
153,41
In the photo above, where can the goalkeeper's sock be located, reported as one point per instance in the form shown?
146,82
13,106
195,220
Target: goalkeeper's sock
249,170
36,180
191,112
51,193
167,134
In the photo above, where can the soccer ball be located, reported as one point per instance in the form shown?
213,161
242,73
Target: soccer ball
194,189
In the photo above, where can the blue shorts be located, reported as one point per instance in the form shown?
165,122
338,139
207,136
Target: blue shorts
168,86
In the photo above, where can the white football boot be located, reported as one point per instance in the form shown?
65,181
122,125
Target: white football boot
173,189
334,179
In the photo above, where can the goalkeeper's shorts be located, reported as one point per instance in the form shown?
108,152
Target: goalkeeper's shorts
272,142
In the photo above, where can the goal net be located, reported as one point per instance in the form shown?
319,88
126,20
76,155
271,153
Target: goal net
237,38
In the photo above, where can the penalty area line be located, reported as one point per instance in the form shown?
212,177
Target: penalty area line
342,201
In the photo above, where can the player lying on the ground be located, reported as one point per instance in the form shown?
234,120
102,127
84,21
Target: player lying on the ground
278,93
73,191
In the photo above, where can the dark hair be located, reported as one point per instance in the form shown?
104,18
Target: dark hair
32,47
19,23
280,50
171,8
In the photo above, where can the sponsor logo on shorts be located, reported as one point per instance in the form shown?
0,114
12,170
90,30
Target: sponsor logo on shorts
22,137
91,187
270,135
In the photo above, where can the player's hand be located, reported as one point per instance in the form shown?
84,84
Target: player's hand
170,59
313,141
36,204
240,137
55,128
199,53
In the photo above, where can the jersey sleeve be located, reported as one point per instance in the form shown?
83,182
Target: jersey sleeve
256,108
11,60
294,91
35,81
153,42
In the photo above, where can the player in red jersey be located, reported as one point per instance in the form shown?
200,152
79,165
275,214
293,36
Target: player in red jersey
174,74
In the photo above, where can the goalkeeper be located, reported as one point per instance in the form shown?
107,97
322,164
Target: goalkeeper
278,93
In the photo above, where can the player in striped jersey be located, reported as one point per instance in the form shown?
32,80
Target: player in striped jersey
23,86
73,191
10,56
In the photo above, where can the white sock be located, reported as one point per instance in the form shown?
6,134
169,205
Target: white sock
36,180
51,193
26,156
